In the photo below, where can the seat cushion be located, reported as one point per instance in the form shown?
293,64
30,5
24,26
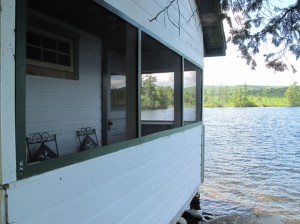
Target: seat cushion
44,153
88,143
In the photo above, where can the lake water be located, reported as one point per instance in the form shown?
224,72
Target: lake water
252,161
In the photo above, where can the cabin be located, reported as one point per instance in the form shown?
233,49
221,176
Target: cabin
101,108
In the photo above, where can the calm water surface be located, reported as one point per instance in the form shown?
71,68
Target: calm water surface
252,161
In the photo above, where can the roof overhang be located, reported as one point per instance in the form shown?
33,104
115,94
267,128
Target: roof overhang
212,25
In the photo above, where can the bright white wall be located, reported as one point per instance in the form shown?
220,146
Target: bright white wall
148,184
62,106
190,39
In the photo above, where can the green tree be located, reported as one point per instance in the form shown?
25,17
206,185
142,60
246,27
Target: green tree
293,95
206,98
149,94
212,97
253,23
242,97
262,21
165,97
155,97
189,98
237,98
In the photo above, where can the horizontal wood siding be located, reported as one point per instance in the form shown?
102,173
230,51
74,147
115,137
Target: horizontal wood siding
62,106
188,40
147,184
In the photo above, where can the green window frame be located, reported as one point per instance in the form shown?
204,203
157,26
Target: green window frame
25,170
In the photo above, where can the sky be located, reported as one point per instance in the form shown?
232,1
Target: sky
232,70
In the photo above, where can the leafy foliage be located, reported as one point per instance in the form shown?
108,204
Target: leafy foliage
255,22
249,96
162,97
156,97
189,96
293,95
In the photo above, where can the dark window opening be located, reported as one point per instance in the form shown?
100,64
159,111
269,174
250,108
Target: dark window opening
161,68
192,93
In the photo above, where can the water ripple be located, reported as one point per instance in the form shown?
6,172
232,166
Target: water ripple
252,161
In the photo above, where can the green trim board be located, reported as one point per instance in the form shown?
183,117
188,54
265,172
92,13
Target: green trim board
139,84
178,94
20,85
199,95
104,88
182,94
63,161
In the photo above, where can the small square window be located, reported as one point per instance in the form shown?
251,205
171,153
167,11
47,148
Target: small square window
49,56
49,43
53,54
34,53
64,47
33,38
64,60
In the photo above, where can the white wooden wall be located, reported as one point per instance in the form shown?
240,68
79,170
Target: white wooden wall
7,92
148,184
62,106
190,39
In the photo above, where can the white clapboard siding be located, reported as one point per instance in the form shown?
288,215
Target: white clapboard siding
148,183
61,106
188,41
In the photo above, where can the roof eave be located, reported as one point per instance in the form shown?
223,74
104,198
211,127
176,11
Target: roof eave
212,25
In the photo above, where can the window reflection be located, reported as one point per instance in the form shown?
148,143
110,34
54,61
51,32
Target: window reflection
118,91
158,96
160,67
191,93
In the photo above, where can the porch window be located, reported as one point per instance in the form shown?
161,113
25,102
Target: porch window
161,73
192,93
48,52
130,84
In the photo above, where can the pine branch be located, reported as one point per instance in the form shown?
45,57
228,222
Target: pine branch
165,11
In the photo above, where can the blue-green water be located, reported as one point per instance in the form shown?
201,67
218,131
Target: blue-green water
252,161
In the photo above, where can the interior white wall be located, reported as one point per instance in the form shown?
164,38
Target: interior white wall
62,106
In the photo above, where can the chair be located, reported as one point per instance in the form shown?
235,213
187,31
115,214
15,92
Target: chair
39,147
87,138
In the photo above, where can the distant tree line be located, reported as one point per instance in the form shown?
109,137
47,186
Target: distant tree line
162,97
249,96
154,96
